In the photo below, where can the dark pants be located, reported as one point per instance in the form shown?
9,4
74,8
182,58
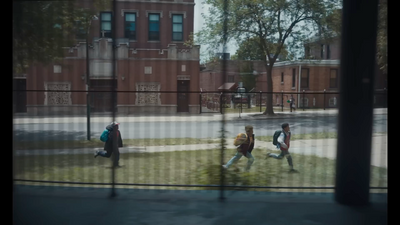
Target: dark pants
291,107
107,154
280,156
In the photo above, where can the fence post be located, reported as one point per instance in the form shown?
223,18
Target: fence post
324,97
220,103
201,103
303,98
240,110
88,112
260,101
385,96
282,100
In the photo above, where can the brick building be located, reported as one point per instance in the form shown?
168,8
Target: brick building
317,73
317,48
315,76
149,56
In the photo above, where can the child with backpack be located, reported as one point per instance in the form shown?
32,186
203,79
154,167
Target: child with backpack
282,141
245,144
107,137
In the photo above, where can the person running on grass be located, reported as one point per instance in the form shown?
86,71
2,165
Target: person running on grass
284,145
108,145
244,149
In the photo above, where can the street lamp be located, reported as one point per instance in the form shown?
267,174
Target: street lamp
88,76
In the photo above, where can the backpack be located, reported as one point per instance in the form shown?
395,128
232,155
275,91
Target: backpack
276,136
240,138
104,135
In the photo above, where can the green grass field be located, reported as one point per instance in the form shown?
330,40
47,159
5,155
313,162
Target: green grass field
185,167
96,143
321,135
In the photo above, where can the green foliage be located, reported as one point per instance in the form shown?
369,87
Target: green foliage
247,77
333,23
42,28
251,49
382,36
190,41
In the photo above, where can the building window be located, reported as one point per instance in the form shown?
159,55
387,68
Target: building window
294,78
177,27
322,51
57,69
154,27
105,27
231,79
183,68
333,79
130,26
304,78
281,77
328,52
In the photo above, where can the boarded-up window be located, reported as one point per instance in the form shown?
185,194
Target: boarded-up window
147,70
57,69
304,78
333,81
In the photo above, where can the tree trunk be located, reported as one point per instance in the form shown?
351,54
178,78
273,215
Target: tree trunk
269,110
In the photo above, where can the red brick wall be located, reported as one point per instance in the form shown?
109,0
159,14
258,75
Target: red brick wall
163,71
319,77
71,71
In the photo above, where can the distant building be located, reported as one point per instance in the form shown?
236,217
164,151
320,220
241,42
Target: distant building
317,72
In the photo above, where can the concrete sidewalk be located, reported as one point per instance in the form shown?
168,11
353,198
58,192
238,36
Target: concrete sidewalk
181,117
75,206
318,147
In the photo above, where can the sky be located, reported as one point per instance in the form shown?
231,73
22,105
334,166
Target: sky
198,24
232,46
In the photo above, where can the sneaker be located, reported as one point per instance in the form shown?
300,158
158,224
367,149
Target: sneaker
293,171
225,167
96,153
268,155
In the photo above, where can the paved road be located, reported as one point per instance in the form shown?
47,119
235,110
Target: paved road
52,205
195,127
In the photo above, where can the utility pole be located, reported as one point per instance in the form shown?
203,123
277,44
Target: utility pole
88,81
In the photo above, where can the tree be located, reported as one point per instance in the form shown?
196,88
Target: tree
382,36
334,24
270,23
249,49
247,77
42,28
